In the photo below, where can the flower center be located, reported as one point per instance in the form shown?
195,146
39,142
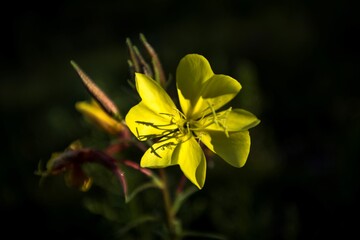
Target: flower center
183,125
176,129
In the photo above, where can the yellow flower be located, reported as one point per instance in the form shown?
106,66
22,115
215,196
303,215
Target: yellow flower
98,116
175,135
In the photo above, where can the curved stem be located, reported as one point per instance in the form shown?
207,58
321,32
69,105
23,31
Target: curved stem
171,220
170,215
181,185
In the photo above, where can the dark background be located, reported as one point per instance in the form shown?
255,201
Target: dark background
298,63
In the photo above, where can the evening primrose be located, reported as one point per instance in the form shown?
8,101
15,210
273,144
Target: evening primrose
97,115
175,135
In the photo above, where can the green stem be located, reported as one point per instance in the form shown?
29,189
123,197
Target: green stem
171,220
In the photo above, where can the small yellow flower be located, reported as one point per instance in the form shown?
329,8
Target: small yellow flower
176,134
97,115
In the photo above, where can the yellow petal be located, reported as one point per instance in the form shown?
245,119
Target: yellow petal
200,90
188,154
218,90
159,155
142,121
191,159
97,115
229,121
233,149
154,96
156,112
192,73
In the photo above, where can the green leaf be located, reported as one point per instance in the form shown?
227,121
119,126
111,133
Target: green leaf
102,207
140,189
135,223
181,198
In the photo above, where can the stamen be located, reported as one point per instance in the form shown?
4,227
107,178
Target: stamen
181,114
165,145
154,151
220,119
150,124
156,137
175,132
198,138
213,112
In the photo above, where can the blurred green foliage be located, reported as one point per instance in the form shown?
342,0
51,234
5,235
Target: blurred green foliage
295,59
